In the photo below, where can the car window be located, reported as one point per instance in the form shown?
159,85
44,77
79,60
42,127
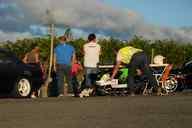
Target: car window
188,67
7,57
188,63
4,56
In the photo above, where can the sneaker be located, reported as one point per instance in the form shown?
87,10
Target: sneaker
33,97
70,94
81,95
84,93
90,90
60,95
132,94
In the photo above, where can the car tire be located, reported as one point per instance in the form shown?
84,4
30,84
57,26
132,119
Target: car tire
171,84
22,87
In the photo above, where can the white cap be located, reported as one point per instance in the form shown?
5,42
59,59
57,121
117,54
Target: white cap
158,59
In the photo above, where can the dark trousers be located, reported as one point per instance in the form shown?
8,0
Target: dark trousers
75,84
140,61
63,71
37,83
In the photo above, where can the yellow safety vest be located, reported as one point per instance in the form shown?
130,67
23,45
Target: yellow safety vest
126,53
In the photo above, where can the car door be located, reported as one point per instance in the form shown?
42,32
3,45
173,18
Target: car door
8,71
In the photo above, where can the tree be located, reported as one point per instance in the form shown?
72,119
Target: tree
175,52
68,34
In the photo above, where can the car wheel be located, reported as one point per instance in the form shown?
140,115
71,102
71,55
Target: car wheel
22,87
171,84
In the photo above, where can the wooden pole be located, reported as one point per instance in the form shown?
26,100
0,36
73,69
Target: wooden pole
44,91
152,55
51,51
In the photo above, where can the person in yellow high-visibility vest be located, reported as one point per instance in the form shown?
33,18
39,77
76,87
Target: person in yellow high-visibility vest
135,59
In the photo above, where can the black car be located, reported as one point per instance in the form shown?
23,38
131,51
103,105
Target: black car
184,76
16,77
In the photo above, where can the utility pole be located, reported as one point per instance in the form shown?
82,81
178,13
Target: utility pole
44,90
152,55
52,33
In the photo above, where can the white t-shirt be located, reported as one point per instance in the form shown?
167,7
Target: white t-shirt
91,54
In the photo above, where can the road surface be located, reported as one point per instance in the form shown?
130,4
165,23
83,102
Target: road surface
98,112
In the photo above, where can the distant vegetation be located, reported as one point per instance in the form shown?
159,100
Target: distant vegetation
175,52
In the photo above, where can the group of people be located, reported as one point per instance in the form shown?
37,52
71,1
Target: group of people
66,65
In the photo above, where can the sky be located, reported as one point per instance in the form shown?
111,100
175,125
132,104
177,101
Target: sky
123,19
173,13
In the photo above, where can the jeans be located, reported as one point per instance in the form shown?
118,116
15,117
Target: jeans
90,76
63,72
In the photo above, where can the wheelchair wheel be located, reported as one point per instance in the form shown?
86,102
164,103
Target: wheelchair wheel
171,84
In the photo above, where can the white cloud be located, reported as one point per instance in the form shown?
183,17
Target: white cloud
157,33
85,16
13,36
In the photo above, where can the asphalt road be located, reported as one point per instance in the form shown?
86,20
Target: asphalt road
98,112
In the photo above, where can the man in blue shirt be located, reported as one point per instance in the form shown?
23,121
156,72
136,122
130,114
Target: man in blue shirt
64,56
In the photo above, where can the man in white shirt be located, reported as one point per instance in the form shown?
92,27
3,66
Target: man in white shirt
92,51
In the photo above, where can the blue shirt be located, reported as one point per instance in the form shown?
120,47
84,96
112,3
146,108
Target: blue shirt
64,53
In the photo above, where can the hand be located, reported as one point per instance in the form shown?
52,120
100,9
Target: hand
111,78
139,72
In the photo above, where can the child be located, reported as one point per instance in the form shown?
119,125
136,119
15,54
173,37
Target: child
75,69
